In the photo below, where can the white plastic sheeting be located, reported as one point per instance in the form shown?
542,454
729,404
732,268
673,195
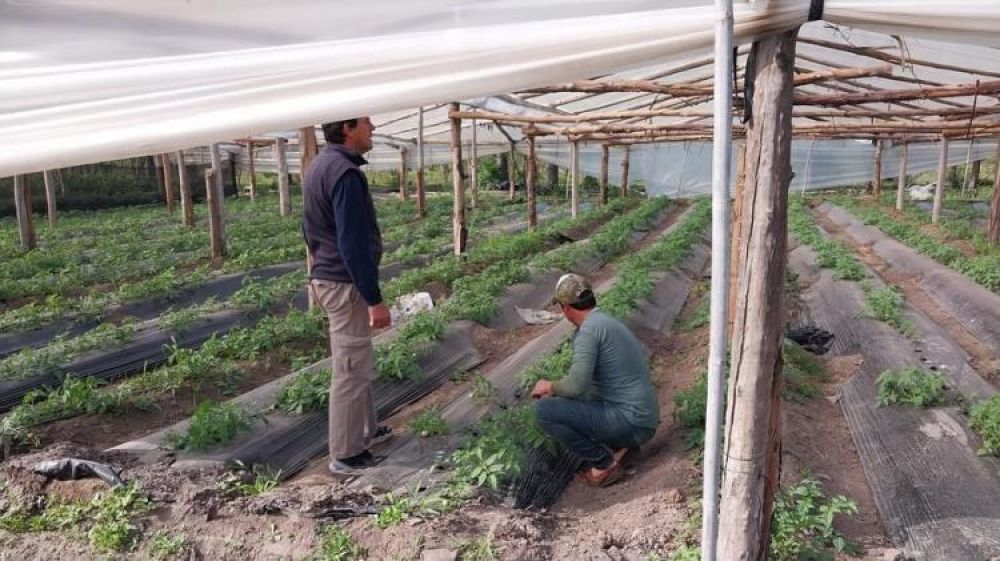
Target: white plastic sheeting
102,79
685,169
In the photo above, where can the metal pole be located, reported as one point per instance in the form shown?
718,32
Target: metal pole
722,146
574,178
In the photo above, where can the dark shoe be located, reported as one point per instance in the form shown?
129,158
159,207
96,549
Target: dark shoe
353,465
382,434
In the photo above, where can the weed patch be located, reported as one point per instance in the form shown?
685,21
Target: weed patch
910,386
984,418
802,373
802,523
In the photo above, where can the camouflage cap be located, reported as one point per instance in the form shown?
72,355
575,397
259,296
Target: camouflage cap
570,287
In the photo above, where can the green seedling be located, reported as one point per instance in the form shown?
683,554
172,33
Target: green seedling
984,418
910,386
429,423
802,524
212,425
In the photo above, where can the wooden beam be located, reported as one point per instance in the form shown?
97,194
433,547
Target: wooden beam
511,172
284,198
753,420
624,183
217,236
893,59
421,204
957,90
50,197
253,172
168,182
530,174
679,90
307,151
993,228
184,185
22,208
474,172
901,181
218,227
403,194
942,177
877,179
574,179
459,230
605,156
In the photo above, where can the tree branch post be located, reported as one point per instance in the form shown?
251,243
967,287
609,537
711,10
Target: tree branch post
281,155
604,174
50,197
942,179
530,173
753,443
458,185
22,207
904,149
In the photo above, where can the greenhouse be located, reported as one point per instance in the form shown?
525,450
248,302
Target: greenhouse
793,205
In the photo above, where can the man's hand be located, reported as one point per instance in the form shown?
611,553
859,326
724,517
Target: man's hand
543,388
378,316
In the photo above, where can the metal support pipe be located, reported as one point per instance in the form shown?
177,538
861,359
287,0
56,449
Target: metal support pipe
574,178
722,147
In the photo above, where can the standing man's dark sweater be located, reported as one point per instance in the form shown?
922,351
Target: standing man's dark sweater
339,222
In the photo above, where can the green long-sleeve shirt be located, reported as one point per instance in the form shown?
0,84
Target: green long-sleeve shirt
609,365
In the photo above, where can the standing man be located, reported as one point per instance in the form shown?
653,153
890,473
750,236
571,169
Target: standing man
346,247
606,404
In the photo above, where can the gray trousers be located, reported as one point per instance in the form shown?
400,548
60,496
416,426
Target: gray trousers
352,407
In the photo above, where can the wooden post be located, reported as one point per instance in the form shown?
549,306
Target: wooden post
474,169
403,195
625,151
50,197
157,163
972,177
307,151
511,172
735,235
284,199
22,207
252,170
217,235
877,180
993,229
604,174
219,196
459,231
942,178
184,183
168,182
574,178
421,208
901,182
529,184
753,419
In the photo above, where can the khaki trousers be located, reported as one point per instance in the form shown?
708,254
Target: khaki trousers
352,407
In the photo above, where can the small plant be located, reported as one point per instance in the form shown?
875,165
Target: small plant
699,318
802,523
479,549
482,389
337,545
394,512
886,304
686,553
984,418
802,373
429,423
910,386
689,411
113,515
164,546
307,392
249,482
213,424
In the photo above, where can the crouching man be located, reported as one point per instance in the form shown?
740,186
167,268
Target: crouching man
606,404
